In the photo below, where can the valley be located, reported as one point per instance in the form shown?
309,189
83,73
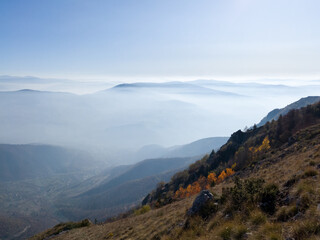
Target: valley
76,186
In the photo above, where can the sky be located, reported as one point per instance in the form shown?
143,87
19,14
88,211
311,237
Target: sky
167,39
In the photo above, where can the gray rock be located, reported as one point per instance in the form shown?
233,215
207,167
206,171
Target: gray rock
199,202
298,216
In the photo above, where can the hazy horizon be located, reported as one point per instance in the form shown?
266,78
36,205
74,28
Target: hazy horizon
113,122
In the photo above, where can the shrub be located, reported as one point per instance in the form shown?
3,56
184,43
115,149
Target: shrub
193,227
208,209
240,232
271,231
285,213
310,172
312,163
258,218
304,202
142,210
226,233
63,227
305,187
269,198
245,192
305,229
110,235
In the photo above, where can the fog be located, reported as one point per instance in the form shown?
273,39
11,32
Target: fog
113,122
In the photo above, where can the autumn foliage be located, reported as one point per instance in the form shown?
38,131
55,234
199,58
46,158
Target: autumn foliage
264,146
202,183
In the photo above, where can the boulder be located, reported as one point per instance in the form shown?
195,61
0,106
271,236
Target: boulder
201,200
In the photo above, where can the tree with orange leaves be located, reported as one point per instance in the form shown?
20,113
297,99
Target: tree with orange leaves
222,176
196,188
229,172
202,183
180,193
211,179
189,190
265,145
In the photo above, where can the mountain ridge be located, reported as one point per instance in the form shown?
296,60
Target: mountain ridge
275,113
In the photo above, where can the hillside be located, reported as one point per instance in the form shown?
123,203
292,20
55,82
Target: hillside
242,150
196,148
277,196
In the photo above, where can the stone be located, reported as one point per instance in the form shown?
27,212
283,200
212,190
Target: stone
298,216
200,201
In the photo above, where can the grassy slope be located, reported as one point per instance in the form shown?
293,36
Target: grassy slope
286,163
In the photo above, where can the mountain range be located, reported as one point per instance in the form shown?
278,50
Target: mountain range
117,120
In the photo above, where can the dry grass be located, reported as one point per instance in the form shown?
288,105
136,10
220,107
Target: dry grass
145,226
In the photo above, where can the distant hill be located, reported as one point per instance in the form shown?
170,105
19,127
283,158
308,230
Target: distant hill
112,201
172,87
143,169
196,148
18,162
199,147
275,114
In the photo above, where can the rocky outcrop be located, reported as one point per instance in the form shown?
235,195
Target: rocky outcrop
200,202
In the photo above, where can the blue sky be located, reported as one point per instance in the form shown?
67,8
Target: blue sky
160,39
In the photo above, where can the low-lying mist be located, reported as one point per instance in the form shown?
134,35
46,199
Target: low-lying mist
116,121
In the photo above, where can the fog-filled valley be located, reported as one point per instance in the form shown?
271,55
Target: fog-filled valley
73,150
115,122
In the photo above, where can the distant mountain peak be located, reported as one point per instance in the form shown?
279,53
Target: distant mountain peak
173,87
275,113
28,90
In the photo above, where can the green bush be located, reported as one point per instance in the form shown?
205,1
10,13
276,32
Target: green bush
304,202
208,209
285,213
269,198
246,194
142,210
258,218
310,172
63,227
240,232
226,233
312,163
